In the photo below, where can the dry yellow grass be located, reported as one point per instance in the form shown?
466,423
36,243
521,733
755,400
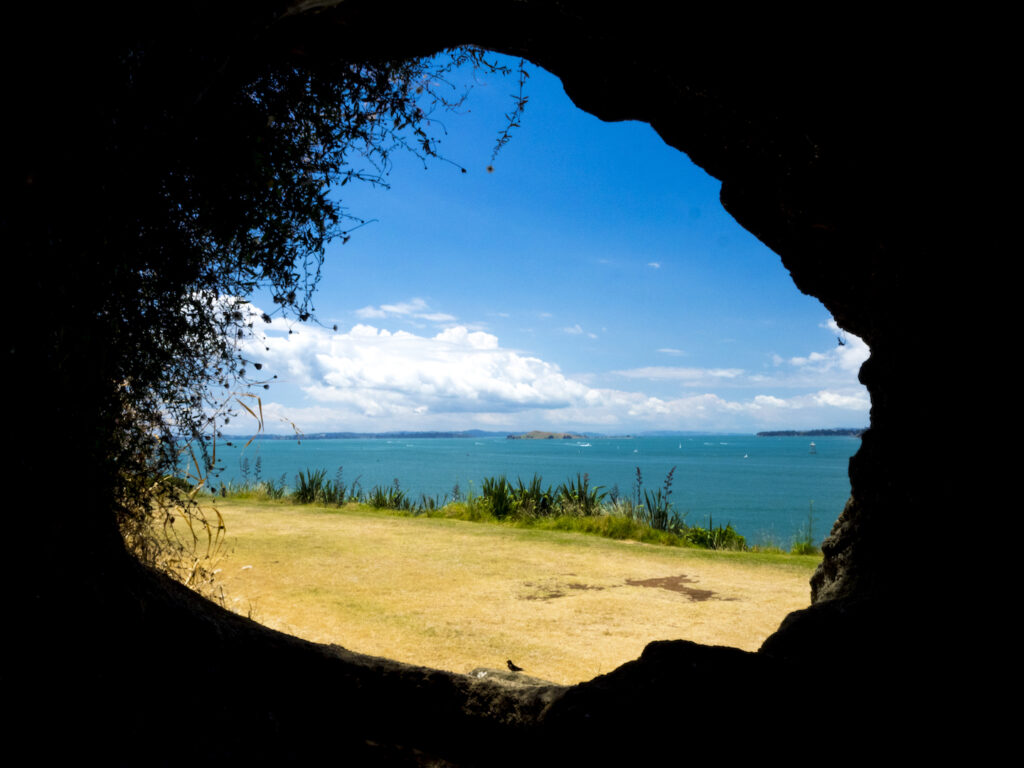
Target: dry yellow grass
455,595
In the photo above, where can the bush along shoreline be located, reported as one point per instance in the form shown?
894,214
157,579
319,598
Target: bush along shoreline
644,514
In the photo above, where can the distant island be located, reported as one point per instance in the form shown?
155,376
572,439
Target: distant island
536,434
814,433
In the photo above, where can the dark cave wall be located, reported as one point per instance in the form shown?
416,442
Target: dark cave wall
832,166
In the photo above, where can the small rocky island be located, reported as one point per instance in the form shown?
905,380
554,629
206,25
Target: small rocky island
538,435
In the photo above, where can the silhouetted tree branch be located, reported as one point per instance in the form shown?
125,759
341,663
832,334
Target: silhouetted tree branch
196,173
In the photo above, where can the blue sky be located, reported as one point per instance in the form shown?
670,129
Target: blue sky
592,281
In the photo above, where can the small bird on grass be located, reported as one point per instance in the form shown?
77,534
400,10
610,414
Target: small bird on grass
512,667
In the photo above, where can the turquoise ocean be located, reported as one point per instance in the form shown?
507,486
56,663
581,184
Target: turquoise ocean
764,486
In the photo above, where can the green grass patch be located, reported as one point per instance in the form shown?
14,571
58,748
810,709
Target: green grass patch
575,506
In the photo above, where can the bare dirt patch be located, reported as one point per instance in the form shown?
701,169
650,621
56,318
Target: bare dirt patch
678,584
553,588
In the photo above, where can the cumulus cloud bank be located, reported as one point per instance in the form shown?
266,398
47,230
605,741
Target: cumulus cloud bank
377,372
372,378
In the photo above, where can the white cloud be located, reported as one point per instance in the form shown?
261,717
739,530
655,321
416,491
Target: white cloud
814,357
672,352
460,335
654,264
376,372
685,375
846,357
368,313
413,308
577,330
405,307
372,378
849,400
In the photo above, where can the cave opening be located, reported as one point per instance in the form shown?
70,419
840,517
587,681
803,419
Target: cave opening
584,236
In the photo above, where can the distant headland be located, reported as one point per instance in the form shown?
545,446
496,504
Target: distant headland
399,435
814,433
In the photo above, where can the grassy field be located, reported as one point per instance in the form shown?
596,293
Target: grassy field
456,595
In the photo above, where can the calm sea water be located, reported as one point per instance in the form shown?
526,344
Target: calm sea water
764,486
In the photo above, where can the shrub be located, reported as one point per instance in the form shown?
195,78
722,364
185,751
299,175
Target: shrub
309,486
715,538
656,509
519,501
575,506
578,498
497,495
428,504
272,490
389,497
532,500
804,543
